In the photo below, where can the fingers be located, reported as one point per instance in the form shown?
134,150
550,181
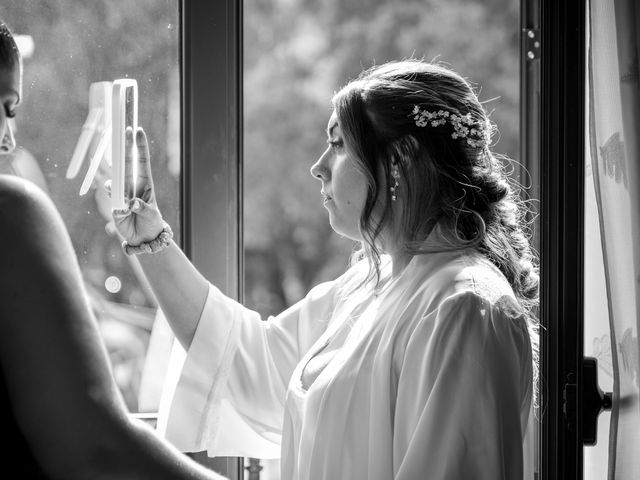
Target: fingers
137,206
120,213
145,181
128,164
138,221
142,208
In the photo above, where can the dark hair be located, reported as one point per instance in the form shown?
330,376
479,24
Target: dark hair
444,179
9,53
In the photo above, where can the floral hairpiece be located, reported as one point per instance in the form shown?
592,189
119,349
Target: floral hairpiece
477,134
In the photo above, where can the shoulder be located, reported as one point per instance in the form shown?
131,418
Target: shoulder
18,189
446,295
472,338
477,289
20,197
467,306
479,275
443,276
34,241
25,209
471,325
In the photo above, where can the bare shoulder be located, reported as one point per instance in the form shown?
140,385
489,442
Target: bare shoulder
23,205
31,227
14,187
21,199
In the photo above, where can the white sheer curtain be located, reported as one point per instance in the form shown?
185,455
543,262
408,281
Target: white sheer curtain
614,129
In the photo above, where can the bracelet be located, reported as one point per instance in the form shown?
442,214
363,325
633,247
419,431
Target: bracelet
162,241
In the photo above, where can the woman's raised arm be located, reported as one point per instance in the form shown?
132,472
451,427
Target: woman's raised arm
179,287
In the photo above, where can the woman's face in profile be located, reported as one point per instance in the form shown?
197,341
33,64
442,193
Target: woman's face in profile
344,187
10,96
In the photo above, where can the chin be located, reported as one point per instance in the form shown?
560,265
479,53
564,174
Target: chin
352,232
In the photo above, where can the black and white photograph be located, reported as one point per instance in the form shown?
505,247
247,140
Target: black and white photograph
320,240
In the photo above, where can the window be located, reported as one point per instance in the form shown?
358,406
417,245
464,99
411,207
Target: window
251,119
68,45
296,54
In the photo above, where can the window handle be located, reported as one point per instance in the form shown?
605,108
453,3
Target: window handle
594,401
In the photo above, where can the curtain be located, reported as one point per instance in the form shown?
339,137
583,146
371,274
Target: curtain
614,138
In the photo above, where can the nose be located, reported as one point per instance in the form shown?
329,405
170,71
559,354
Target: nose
320,169
8,144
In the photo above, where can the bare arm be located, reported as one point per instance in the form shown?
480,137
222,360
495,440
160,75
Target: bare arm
179,287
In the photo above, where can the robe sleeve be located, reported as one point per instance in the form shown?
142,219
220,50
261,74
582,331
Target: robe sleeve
464,383
229,389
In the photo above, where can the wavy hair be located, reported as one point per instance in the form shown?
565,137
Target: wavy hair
461,186
443,180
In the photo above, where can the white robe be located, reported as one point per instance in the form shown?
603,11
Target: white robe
434,380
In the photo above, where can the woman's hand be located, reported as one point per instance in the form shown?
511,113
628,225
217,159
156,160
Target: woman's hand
140,221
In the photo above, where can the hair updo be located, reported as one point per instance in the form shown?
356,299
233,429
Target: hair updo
444,178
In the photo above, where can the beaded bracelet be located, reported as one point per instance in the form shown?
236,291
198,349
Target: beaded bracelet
162,241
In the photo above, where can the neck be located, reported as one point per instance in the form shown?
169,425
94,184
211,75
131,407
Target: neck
399,260
399,257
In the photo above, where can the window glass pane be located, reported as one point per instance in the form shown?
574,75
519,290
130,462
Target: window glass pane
68,45
296,54
300,52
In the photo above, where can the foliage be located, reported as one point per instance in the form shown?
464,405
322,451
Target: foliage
297,53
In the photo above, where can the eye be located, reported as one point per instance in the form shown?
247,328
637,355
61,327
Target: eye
335,144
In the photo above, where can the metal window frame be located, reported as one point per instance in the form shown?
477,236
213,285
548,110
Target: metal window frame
211,138
562,145
211,130
529,173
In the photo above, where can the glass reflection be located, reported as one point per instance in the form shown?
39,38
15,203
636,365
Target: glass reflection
68,45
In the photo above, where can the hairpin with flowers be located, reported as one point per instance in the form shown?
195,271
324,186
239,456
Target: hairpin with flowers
477,134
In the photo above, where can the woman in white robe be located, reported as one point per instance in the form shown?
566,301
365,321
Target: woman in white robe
434,375
419,361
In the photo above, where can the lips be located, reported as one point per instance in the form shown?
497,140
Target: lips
325,197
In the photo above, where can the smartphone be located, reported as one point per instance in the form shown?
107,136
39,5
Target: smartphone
124,115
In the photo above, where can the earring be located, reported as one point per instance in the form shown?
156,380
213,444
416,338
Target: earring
395,176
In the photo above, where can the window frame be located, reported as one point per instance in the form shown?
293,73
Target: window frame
553,153
211,154
562,164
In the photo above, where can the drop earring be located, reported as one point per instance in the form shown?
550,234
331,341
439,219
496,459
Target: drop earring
395,176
